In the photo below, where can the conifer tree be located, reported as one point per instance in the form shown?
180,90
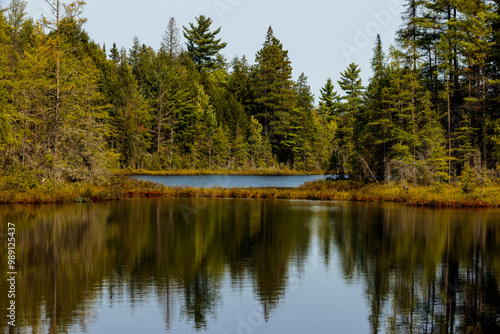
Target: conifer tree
130,114
329,100
350,122
376,139
202,45
305,98
274,94
476,45
75,120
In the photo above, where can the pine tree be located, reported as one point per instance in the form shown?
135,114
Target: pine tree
305,127
305,98
170,99
376,139
329,100
350,123
202,45
274,95
141,59
240,85
476,45
411,37
130,115
415,130
114,54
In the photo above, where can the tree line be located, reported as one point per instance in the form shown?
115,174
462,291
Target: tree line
72,110
431,109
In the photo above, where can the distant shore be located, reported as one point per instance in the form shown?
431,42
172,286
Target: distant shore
277,172
121,187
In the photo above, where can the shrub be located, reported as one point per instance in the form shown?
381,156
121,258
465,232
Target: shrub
18,179
468,180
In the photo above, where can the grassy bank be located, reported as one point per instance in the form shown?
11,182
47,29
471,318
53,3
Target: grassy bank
281,172
121,187
433,196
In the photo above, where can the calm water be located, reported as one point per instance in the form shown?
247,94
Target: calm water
233,181
253,266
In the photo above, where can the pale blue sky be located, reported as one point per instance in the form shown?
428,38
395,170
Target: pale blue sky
322,37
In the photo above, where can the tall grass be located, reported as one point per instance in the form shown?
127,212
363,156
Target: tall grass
122,187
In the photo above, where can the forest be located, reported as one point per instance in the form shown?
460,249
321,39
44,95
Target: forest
72,110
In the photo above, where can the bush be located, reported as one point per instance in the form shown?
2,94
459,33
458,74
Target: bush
18,179
468,180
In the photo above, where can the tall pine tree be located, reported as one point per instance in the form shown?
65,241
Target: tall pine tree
202,45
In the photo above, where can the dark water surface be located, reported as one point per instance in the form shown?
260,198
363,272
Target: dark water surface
252,266
232,181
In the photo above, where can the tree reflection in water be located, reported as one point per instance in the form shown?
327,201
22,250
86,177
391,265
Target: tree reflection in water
423,270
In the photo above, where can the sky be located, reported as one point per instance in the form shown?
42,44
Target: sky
322,37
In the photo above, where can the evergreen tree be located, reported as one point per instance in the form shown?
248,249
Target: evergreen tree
74,149
415,132
329,100
274,94
259,145
305,98
202,45
305,127
240,84
114,54
141,59
411,37
376,139
476,45
170,99
350,123
130,114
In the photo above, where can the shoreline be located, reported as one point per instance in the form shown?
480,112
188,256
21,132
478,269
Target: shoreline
191,172
121,187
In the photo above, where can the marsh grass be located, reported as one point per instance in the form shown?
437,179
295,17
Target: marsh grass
122,187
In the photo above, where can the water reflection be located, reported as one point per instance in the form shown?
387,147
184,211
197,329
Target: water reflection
421,270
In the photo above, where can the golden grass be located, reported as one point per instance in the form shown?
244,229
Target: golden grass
122,187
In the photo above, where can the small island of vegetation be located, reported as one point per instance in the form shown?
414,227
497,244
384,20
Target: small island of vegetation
77,119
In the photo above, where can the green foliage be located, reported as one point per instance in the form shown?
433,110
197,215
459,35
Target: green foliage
329,100
274,95
70,113
467,179
345,159
18,179
202,45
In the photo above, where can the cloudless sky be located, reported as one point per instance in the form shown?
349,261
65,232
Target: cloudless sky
322,37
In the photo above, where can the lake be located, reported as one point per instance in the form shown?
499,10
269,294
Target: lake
252,266
232,181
